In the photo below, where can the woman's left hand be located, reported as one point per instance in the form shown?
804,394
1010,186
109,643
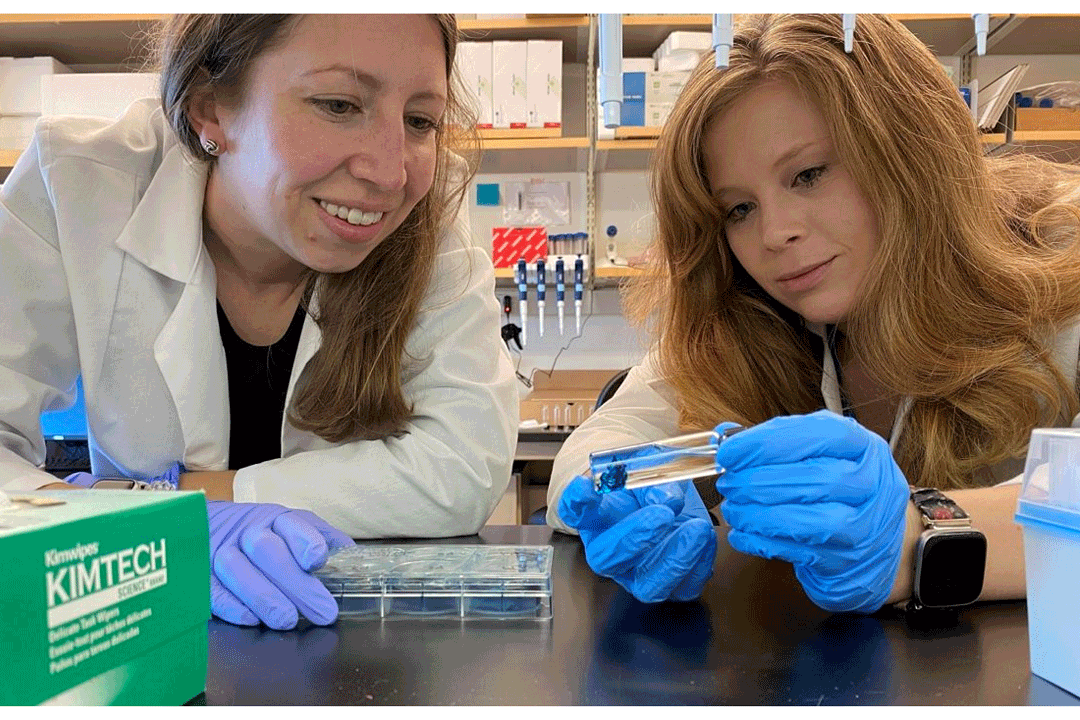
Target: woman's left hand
823,493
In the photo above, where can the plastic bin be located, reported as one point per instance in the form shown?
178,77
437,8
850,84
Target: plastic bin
1049,513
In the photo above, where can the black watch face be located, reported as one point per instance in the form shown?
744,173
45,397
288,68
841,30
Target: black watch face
952,567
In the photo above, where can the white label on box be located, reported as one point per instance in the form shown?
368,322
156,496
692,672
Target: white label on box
664,87
509,66
474,63
656,114
544,83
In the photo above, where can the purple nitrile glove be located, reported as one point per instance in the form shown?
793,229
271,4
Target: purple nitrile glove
168,480
261,557
657,542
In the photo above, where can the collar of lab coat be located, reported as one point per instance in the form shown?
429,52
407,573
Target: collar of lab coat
175,196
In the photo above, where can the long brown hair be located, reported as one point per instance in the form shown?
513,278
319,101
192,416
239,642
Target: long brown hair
976,269
352,386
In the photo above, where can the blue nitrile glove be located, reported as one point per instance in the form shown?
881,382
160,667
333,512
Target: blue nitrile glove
261,556
168,480
657,542
823,493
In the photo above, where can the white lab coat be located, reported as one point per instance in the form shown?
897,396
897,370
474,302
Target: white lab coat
645,409
104,273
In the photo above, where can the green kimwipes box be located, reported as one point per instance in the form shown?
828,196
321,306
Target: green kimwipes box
105,596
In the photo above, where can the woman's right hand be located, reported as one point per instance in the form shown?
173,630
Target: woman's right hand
657,542
261,558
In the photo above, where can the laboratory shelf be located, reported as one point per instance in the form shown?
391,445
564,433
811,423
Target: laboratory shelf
534,143
1040,35
116,40
572,30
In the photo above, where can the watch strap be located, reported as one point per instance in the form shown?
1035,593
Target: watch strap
937,510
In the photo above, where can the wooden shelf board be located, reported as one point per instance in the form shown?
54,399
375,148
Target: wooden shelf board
992,138
1022,136
518,133
8,158
672,20
610,271
119,40
532,23
629,144
634,131
534,143
1041,35
6,19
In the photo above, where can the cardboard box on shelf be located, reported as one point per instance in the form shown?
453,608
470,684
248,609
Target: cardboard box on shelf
474,62
1055,118
565,397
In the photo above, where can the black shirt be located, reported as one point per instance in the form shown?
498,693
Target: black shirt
258,382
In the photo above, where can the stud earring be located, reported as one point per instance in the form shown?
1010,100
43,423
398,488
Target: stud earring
211,147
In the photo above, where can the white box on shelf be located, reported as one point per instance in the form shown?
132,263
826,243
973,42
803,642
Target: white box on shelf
664,87
686,40
99,94
509,65
16,131
20,83
543,88
633,64
678,60
474,63
1048,510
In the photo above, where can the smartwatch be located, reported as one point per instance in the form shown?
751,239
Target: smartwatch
950,557
120,484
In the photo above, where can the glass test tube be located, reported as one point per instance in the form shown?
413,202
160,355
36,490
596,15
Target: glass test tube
684,457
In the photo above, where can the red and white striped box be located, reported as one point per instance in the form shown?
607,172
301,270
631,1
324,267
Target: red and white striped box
510,244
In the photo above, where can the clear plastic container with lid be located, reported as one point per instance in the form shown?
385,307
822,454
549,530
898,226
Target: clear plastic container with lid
1049,513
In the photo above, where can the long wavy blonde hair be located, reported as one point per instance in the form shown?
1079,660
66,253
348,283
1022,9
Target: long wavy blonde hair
352,385
978,263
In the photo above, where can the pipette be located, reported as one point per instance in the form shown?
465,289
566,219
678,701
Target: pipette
684,457
848,20
560,291
579,288
523,299
541,292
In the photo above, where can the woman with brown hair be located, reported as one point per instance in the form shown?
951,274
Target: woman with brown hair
830,235
268,286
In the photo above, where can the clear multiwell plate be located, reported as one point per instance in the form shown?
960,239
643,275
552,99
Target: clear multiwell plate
441,581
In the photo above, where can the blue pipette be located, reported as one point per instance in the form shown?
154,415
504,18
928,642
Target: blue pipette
541,292
523,298
579,289
560,291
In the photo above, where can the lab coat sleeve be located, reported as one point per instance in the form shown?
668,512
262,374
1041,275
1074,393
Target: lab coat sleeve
642,410
38,349
445,476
